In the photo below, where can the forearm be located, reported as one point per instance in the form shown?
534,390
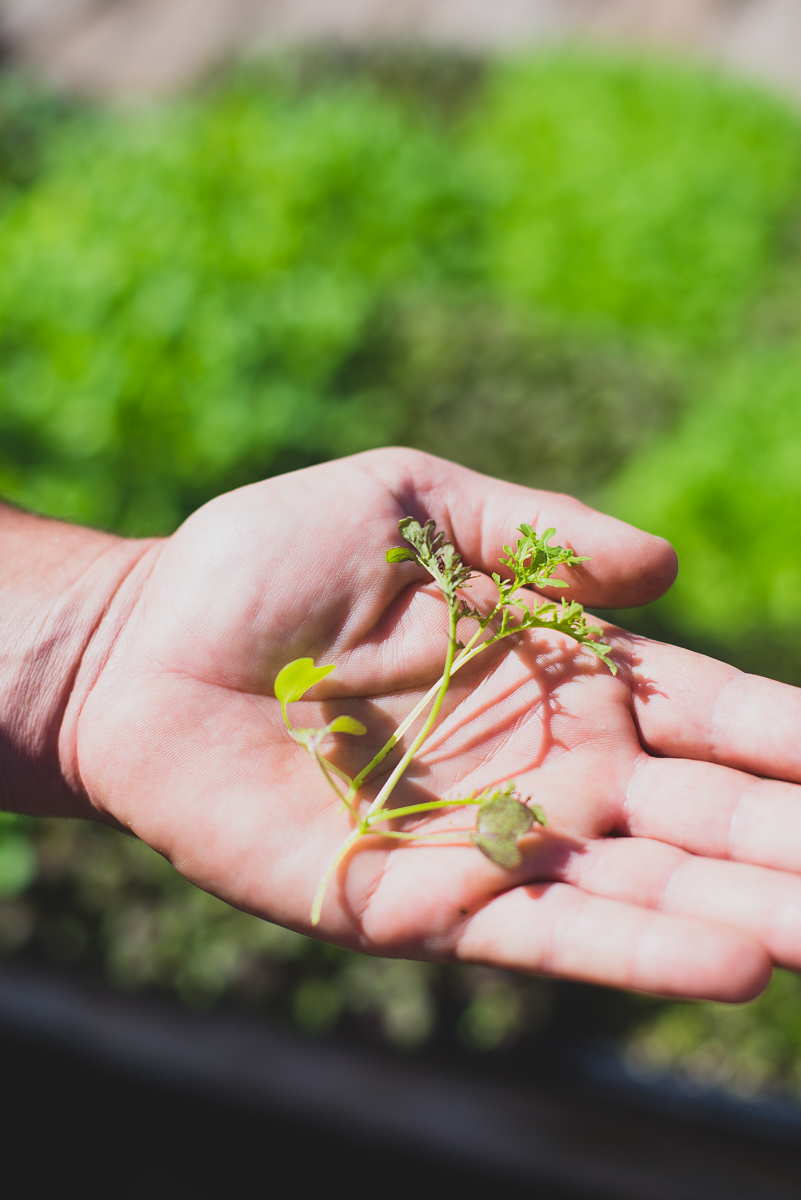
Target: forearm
64,593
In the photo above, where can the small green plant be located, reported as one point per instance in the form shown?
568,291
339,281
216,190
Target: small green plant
503,816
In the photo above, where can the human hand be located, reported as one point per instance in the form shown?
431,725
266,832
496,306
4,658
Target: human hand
668,862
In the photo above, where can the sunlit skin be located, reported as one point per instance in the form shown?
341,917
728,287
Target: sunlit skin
668,864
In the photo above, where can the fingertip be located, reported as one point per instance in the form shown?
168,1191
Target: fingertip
660,568
627,566
724,965
745,970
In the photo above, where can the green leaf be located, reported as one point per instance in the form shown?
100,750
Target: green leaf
533,562
297,677
347,725
502,821
434,552
400,554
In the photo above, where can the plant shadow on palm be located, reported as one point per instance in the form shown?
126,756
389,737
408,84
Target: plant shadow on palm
535,714
463,755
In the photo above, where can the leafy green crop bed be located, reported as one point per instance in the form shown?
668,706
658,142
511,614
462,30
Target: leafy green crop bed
578,272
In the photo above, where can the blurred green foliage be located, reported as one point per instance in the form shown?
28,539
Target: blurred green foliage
642,197
746,1049
292,266
31,119
575,271
181,287
724,485
726,489
18,858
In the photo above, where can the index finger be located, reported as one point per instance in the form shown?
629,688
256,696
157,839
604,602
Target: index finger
627,567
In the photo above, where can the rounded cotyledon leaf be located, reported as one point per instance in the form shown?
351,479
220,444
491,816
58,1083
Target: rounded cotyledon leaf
502,821
400,554
297,677
346,725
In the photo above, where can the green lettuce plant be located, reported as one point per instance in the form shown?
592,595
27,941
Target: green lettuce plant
504,817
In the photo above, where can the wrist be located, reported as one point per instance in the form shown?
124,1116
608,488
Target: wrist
65,594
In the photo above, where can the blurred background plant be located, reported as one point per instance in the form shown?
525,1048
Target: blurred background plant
577,271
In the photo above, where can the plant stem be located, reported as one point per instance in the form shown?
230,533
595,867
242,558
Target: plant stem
389,786
469,652
411,717
421,837
362,823
386,814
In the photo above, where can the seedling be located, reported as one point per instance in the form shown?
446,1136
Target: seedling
504,817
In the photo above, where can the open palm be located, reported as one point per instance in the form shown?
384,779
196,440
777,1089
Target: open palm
668,862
